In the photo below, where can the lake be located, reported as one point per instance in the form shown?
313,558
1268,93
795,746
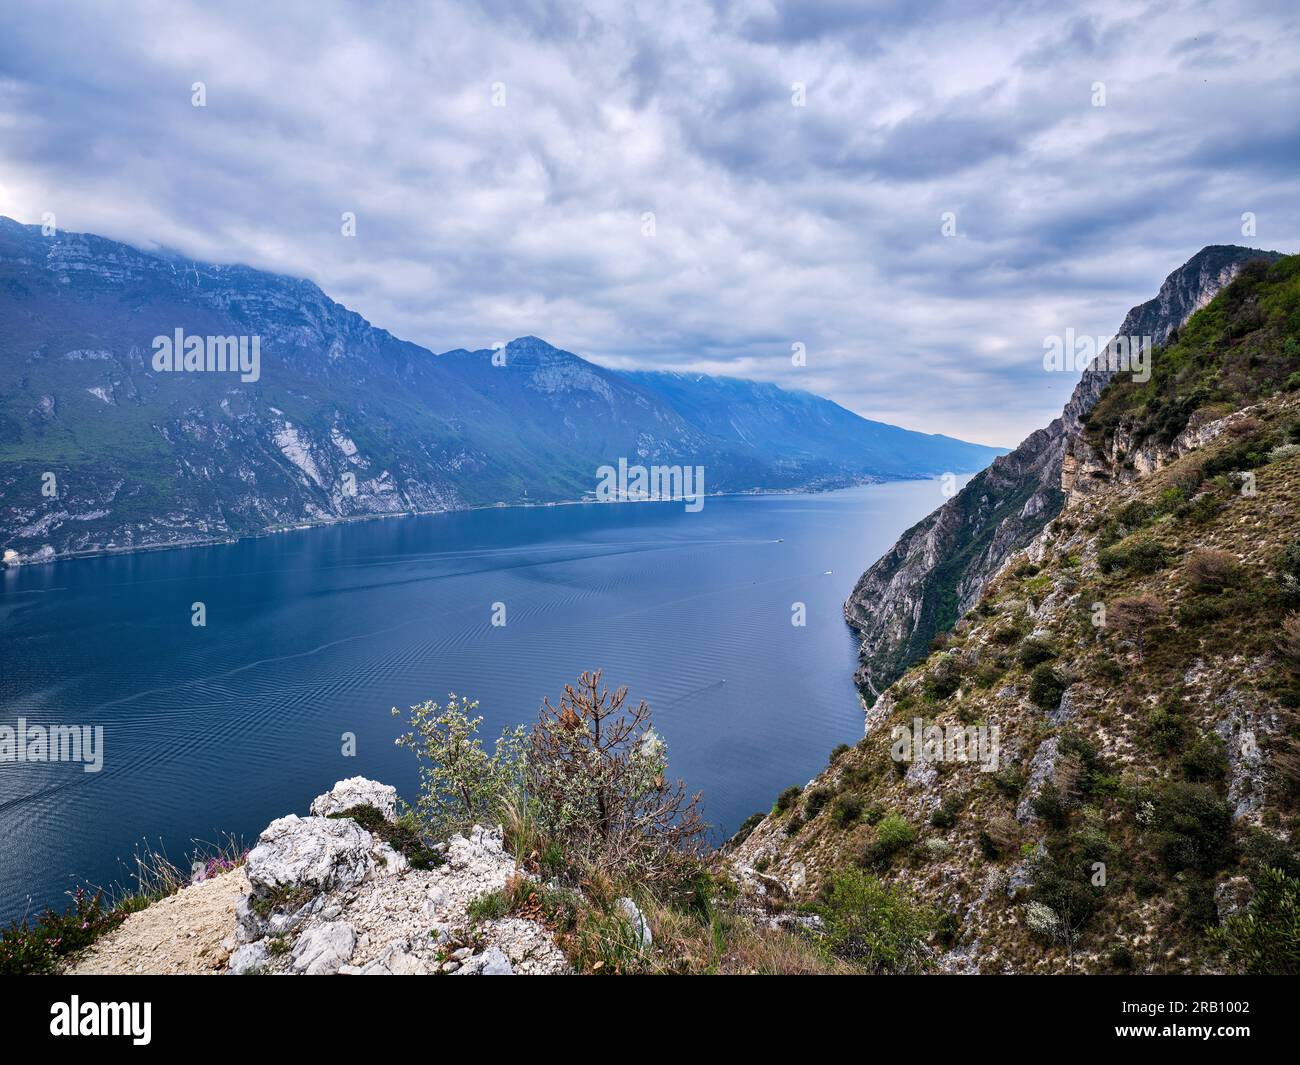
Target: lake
316,633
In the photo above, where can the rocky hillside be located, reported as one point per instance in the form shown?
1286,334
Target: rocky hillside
100,450
938,569
1113,784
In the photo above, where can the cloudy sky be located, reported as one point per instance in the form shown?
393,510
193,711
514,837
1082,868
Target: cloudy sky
501,159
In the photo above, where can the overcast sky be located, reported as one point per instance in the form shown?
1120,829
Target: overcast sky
774,224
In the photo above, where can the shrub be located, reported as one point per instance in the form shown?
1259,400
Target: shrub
1033,652
746,829
847,809
1165,729
1007,633
1205,761
874,925
944,678
945,814
893,834
1141,556
1210,570
1289,642
814,801
1067,893
1050,805
1193,828
1135,514
937,849
1046,687
1090,842
1000,836
786,800
404,835
1009,781
1199,611
35,947
1146,556
1289,563
840,749
1265,938
460,783
1201,509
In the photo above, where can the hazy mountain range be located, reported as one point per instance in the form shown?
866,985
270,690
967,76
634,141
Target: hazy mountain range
101,451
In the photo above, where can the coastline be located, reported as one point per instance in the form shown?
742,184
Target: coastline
321,523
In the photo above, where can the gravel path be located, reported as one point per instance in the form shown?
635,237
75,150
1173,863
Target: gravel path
179,934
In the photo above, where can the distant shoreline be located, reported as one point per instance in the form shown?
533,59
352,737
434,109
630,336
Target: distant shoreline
324,523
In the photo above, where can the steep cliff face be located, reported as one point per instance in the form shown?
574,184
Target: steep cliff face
939,567
1101,767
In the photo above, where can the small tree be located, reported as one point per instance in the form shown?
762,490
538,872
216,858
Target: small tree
596,770
1136,616
461,784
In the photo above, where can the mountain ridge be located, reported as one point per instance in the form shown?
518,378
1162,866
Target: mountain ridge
346,421
938,568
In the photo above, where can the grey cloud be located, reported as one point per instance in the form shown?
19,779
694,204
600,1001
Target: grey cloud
774,223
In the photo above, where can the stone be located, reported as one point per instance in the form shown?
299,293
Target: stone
481,848
388,862
357,791
248,958
312,854
323,948
492,962
396,960
637,919
1041,769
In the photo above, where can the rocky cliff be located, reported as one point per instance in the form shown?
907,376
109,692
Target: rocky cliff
938,568
328,894
1100,769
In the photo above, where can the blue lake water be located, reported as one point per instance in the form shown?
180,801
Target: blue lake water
319,632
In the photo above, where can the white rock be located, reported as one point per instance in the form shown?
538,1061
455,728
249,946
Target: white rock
396,960
323,948
311,853
248,957
639,924
357,791
492,962
388,861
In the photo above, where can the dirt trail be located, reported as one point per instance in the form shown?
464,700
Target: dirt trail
179,934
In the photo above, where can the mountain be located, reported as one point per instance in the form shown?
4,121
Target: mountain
1099,771
100,450
809,433
938,569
